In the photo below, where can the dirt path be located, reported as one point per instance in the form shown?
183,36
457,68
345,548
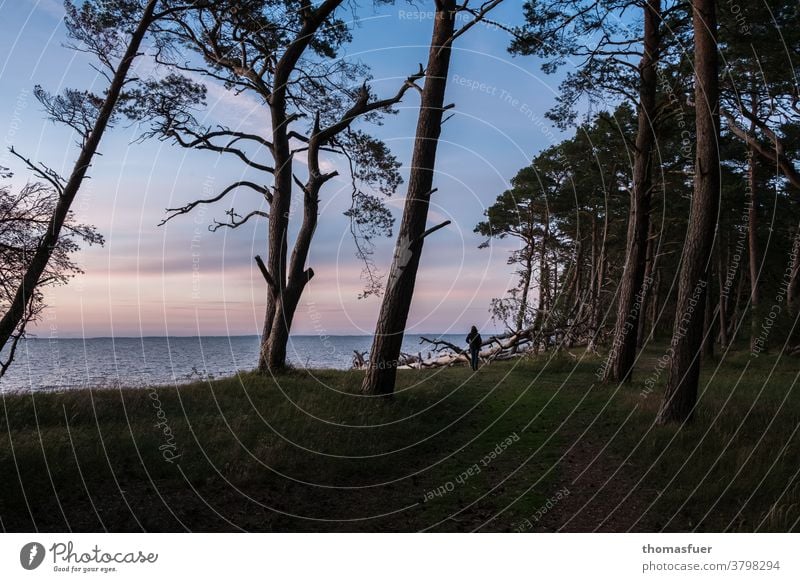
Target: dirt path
598,484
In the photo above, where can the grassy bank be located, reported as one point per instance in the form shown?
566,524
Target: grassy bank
528,446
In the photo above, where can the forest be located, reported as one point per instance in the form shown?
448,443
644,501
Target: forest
656,240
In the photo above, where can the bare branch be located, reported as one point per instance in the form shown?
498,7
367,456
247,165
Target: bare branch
479,16
263,268
48,174
192,205
434,229
237,219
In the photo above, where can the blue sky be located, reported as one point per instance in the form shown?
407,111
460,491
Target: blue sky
181,279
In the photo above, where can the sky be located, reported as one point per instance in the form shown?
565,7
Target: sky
180,279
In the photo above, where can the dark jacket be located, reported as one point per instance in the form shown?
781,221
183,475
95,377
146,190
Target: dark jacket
474,340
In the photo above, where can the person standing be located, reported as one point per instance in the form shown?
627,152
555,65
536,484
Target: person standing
474,340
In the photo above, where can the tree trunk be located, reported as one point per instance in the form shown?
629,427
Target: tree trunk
275,347
735,321
283,286
708,328
680,396
269,317
723,300
272,355
629,308
652,316
22,297
648,286
382,372
298,277
600,280
752,235
544,272
525,287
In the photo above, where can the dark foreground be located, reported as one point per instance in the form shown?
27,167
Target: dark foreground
530,446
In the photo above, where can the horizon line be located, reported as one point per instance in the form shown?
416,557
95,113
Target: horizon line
439,334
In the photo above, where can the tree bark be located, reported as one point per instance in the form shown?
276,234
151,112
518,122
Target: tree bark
723,299
752,234
680,396
22,297
600,277
653,312
382,371
734,322
647,289
544,275
708,328
633,284
525,288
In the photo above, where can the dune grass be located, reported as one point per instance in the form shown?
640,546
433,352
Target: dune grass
451,451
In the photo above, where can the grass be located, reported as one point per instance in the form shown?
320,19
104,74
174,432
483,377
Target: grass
736,467
451,451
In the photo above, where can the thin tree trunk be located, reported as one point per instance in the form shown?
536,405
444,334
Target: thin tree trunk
525,288
734,323
654,307
601,277
752,234
571,290
723,300
543,282
648,285
586,309
22,297
680,396
708,324
629,308
382,371
547,273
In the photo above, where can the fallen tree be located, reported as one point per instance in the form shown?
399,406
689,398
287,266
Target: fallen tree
508,346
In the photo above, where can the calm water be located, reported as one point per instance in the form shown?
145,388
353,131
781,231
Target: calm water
52,364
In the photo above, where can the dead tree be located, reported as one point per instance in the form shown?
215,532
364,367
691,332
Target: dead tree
680,396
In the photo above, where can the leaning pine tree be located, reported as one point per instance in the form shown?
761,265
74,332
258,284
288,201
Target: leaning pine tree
384,356
113,33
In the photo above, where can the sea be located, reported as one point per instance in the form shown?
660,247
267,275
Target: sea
62,364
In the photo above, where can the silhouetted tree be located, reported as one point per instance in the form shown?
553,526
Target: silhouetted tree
594,33
285,53
385,353
680,395
113,32
24,219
